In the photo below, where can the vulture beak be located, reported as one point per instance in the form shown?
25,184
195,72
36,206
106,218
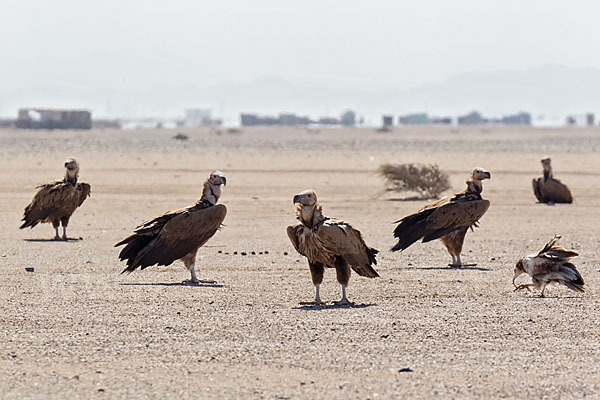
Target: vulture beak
297,198
224,180
487,175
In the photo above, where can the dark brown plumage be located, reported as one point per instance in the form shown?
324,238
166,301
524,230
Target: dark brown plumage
56,201
547,189
550,265
177,235
447,219
327,242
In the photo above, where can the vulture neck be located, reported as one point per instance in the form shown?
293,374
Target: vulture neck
210,193
310,216
71,177
547,172
474,186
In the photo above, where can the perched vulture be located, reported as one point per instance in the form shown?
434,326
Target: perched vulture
550,190
331,243
56,201
550,265
447,219
177,235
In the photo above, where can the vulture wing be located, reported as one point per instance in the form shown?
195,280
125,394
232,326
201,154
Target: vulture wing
342,239
561,272
54,200
438,219
557,192
537,189
551,191
171,236
293,231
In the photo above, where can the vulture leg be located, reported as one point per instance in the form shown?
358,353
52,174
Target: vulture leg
316,271
56,224
190,262
65,222
342,270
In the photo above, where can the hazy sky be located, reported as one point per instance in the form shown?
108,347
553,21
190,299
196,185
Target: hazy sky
363,44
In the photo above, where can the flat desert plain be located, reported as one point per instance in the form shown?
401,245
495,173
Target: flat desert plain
77,328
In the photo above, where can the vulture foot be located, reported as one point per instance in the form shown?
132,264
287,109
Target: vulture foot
195,282
521,287
342,302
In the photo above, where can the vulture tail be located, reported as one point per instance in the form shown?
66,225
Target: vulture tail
134,245
411,229
573,279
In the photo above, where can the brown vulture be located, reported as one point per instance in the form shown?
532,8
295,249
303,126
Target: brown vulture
327,242
550,265
177,235
550,190
447,219
56,201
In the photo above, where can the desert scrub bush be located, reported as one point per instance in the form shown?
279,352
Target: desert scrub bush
426,179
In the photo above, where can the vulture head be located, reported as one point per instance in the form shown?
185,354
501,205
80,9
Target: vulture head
479,174
212,187
519,269
72,169
546,161
306,198
217,178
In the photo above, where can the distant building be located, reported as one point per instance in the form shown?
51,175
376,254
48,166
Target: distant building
388,120
43,118
348,118
328,121
414,119
589,119
473,118
284,119
197,117
522,118
441,120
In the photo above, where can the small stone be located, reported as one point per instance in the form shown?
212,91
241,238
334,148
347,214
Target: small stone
253,253
235,253
266,252
243,253
219,252
405,370
285,253
29,269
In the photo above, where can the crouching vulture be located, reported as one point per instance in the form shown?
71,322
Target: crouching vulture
550,265
56,201
547,189
177,235
447,219
327,242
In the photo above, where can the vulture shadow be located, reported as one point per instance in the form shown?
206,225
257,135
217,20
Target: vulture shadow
318,307
412,198
53,240
199,285
464,268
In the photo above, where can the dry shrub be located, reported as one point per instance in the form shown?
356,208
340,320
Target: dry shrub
181,136
426,179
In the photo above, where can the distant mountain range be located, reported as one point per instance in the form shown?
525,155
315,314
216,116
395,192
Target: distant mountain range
549,89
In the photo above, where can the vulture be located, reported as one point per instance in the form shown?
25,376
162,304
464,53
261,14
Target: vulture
327,242
550,265
177,235
56,201
447,219
550,190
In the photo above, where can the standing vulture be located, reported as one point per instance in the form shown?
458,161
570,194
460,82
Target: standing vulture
56,201
550,265
447,219
331,243
177,235
550,190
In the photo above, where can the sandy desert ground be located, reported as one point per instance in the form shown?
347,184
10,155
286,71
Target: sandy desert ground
76,328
